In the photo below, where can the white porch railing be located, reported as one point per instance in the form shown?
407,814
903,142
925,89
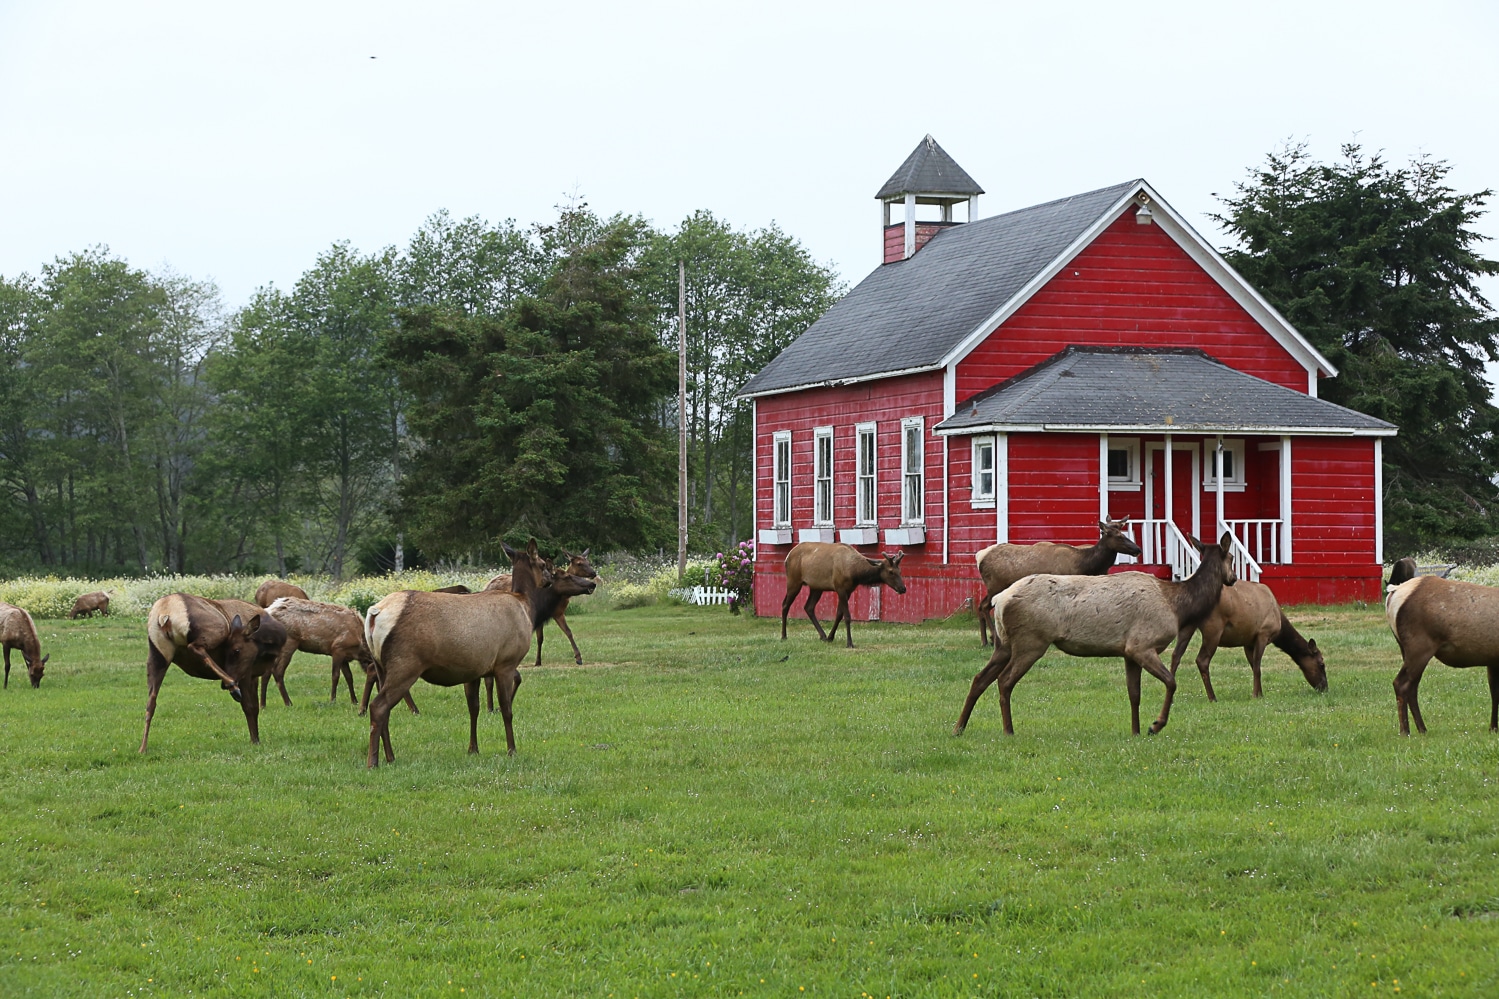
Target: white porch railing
1261,539
1162,543
1245,566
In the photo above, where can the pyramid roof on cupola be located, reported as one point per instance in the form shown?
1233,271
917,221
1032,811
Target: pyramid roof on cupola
929,170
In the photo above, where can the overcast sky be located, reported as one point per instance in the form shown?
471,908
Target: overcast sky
236,140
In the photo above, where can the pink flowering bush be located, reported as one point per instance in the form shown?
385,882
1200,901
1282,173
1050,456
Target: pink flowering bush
735,570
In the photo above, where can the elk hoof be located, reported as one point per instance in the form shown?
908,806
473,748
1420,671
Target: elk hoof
234,692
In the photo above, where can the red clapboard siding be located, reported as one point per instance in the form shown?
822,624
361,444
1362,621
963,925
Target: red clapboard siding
895,243
1053,488
1332,493
1132,286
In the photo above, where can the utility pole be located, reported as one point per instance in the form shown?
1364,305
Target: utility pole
681,420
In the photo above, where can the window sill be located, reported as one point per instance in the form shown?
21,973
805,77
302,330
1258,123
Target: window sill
982,504
859,535
1126,487
906,536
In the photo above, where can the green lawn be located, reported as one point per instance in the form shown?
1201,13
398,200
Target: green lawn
706,810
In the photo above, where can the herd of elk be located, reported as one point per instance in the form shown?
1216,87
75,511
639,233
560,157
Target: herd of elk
325,630
822,566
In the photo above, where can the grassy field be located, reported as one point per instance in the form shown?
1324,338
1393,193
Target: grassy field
706,810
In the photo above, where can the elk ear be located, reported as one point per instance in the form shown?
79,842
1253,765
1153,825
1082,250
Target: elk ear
236,624
1195,543
511,552
1312,644
252,626
1226,542
586,551
531,548
44,659
1104,525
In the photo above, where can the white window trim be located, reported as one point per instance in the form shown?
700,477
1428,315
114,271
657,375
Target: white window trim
820,434
1134,481
874,474
775,471
920,424
1232,483
979,500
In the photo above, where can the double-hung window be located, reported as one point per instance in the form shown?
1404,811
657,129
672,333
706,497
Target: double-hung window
865,436
782,451
1233,465
913,474
983,471
822,476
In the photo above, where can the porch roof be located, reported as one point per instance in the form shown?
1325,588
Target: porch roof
1144,390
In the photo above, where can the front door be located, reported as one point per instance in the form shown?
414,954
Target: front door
1183,506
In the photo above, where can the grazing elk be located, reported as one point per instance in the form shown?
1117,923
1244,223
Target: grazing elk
226,640
89,604
274,589
1249,617
449,639
18,631
321,629
1130,614
1447,619
1002,564
823,566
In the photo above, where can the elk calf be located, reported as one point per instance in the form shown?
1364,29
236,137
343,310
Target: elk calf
226,640
323,630
274,589
1249,617
89,604
18,631
823,566
1446,619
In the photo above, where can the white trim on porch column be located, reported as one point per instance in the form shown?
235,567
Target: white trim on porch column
945,491
1218,473
1103,476
1285,499
1196,492
1170,485
1379,500
1001,488
755,476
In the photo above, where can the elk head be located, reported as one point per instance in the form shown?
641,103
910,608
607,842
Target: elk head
889,567
1112,534
1218,554
35,667
578,565
532,570
248,641
1313,666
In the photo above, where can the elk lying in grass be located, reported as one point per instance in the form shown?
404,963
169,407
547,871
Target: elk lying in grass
449,639
274,589
1448,619
1249,617
823,566
226,640
1130,614
90,604
1001,565
18,631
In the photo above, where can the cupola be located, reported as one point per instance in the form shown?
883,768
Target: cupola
928,179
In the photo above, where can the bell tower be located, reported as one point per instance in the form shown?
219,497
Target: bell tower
928,177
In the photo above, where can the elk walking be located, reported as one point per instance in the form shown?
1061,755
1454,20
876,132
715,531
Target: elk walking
822,566
1002,564
1446,619
18,631
1249,617
1131,614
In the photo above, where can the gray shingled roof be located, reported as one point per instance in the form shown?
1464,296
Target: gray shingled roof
910,314
1151,389
929,170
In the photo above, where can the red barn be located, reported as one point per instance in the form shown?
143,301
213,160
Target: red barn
1018,378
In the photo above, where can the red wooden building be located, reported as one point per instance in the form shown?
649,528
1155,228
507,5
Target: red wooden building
1019,377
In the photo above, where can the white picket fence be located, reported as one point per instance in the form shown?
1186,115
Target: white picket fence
702,596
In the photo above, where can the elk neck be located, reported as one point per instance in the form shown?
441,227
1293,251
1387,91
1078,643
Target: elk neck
1198,594
1096,559
1290,641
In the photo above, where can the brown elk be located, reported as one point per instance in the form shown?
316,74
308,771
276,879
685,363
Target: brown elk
1002,564
18,631
1131,614
321,629
823,566
226,640
1249,617
274,589
1446,619
90,604
449,639
577,565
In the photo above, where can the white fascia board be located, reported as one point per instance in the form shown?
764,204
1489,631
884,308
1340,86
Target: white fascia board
1156,428
1201,251
838,382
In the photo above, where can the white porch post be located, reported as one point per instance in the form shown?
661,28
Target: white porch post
1001,488
1379,500
1170,488
1218,473
944,501
910,226
1103,476
1285,500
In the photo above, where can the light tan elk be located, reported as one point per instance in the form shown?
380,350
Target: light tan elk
1001,565
274,589
226,640
323,630
1249,617
450,638
18,631
823,566
90,604
1131,614
577,565
1455,622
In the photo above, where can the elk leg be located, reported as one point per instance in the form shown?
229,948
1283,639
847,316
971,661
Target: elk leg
7,666
277,669
471,692
1494,698
811,608
1020,663
1407,682
1205,660
1132,684
985,608
508,685
229,682
349,679
1183,639
561,620
1256,654
156,671
785,607
1151,660
369,685
489,691
981,681
843,615
251,706
278,673
539,635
